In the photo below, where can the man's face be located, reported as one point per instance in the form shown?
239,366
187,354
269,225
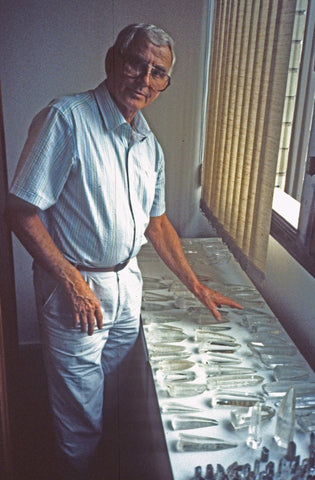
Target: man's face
133,94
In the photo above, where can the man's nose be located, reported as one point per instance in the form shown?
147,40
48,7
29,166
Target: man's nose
146,75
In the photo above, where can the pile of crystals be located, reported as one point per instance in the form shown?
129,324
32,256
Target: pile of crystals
290,467
279,356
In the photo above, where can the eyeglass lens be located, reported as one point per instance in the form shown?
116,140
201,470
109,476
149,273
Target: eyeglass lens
134,67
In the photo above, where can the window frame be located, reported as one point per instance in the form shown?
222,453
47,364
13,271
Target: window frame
298,241
289,238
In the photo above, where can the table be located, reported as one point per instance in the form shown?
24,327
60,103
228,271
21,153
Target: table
214,264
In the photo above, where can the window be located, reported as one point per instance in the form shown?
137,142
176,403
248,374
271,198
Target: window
293,202
248,70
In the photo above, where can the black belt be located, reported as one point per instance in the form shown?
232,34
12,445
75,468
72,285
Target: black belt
116,268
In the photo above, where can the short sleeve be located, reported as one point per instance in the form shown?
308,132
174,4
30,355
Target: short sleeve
158,206
46,159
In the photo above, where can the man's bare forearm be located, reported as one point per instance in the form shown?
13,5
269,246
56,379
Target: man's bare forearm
26,224
168,245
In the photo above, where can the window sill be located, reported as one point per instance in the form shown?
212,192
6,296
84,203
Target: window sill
286,206
288,237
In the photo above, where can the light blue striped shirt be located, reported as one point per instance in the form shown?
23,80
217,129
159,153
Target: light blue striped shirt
95,179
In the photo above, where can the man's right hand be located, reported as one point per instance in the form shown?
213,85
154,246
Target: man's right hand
85,305
24,221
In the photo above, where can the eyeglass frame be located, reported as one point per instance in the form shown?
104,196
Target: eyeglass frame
126,60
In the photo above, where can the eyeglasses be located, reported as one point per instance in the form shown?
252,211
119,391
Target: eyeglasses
135,67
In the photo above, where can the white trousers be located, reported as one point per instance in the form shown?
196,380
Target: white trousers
77,364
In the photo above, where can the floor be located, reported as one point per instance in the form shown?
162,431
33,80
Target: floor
134,446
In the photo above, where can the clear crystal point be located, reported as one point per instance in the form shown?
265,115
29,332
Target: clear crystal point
196,443
241,416
285,419
174,407
254,429
185,422
235,380
185,389
164,378
236,399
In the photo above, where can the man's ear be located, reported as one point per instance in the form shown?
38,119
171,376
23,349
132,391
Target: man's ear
109,61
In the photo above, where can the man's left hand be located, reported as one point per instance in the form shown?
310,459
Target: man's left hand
213,299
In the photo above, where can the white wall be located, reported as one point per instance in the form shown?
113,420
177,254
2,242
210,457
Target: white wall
49,48
290,292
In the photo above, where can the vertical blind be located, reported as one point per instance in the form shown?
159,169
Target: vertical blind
249,60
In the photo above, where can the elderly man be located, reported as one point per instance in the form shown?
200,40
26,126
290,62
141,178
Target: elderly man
88,189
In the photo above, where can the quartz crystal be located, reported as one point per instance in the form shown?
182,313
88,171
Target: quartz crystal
161,317
164,378
214,347
217,256
266,349
251,295
225,358
240,417
209,472
236,288
196,443
307,422
207,320
154,282
185,389
231,381
271,361
207,334
164,349
174,407
195,311
216,327
237,399
254,428
259,340
295,372
253,309
157,306
285,419
157,295
250,301
185,422
185,303
156,360
165,335
279,389
269,329
305,402
174,364
222,370
252,322
197,475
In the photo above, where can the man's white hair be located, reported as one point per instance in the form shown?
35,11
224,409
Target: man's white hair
154,34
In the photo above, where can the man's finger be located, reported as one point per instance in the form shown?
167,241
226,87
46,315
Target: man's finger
216,313
234,304
76,319
99,318
83,321
91,324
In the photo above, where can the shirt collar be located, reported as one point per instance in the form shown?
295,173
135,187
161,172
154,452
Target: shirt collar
112,116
